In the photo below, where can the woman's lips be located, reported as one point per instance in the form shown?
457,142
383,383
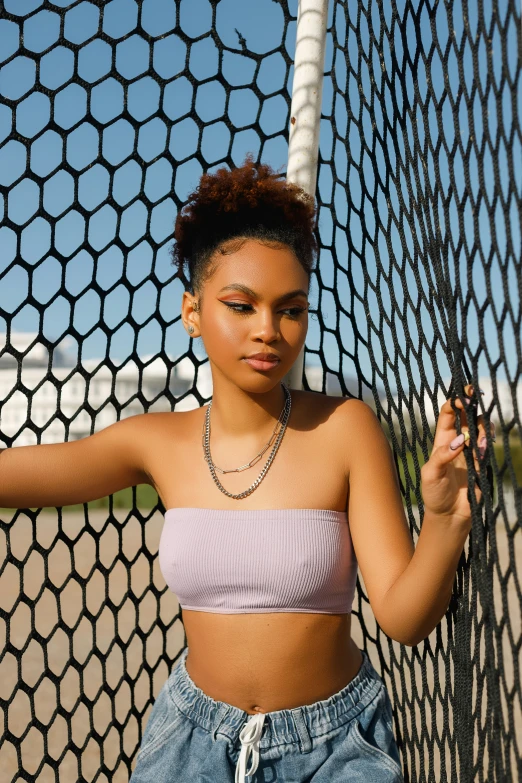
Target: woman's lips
258,364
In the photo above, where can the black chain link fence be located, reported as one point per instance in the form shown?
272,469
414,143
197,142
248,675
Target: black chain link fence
109,114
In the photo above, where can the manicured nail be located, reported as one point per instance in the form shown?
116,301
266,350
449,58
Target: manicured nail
458,441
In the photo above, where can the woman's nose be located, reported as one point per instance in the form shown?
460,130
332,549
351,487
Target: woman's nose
266,325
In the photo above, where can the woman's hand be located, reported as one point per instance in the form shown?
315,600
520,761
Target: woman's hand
444,479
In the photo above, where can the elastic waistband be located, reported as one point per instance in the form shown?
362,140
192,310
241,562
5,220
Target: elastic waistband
298,724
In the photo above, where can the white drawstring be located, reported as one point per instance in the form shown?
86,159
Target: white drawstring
249,736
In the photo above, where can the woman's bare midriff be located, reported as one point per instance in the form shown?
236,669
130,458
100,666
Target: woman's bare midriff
273,661
267,661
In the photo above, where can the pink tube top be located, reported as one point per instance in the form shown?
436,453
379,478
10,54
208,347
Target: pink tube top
259,560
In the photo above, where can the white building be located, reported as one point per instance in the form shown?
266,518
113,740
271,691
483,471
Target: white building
67,397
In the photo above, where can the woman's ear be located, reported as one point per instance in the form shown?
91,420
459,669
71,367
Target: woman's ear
190,313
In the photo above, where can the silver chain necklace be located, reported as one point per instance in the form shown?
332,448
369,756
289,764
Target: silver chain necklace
283,418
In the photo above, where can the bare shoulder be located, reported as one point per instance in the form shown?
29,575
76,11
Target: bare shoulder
158,422
344,422
155,430
359,421
312,401
355,411
348,408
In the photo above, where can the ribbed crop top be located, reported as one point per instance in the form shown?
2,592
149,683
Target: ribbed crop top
259,560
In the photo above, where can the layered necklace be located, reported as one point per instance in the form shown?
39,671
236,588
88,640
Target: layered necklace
282,420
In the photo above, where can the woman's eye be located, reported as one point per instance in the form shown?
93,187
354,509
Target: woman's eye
293,312
236,306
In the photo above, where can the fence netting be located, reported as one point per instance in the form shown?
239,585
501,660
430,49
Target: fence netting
109,114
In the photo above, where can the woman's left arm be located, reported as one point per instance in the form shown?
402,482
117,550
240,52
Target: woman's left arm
426,584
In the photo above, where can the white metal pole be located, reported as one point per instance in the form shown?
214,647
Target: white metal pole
305,114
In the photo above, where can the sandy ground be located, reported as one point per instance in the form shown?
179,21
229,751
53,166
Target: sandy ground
110,605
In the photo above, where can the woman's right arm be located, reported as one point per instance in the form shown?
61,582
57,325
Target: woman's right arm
64,474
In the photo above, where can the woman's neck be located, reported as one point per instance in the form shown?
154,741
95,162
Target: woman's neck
235,412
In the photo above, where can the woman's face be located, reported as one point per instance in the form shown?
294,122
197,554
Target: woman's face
255,302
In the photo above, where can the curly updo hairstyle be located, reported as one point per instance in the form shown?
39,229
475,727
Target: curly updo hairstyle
250,202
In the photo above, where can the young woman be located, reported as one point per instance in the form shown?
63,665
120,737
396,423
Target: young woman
274,498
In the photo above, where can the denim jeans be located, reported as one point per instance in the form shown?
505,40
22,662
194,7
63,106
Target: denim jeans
191,738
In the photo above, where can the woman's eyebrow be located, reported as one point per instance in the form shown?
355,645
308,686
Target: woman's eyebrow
246,290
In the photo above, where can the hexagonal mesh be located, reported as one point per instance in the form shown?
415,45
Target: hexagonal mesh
109,114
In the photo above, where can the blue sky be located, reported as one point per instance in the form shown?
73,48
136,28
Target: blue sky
109,280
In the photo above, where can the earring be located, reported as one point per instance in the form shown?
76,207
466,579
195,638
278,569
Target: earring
196,308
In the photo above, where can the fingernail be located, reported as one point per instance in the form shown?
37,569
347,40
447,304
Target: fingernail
456,442
483,444
468,399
